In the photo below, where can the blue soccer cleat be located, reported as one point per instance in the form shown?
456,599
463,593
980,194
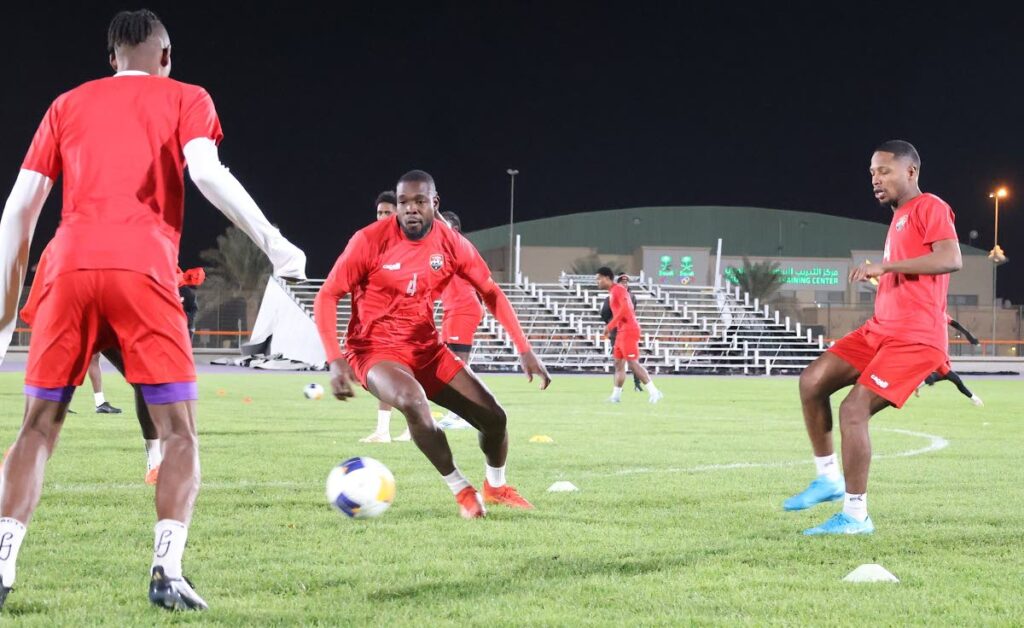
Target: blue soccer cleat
842,523
820,490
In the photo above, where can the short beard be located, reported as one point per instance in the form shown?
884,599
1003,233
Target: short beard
418,235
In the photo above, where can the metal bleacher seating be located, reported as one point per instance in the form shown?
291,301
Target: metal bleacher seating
686,329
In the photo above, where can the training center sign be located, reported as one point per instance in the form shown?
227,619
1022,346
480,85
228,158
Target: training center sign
828,275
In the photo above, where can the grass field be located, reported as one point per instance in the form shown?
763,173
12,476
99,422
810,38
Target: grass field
662,532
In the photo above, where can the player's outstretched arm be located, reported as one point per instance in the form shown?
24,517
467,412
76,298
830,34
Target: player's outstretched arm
18,223
533,366
223,190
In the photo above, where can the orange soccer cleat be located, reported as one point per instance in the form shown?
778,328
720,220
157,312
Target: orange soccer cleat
152,475
505,495
470,504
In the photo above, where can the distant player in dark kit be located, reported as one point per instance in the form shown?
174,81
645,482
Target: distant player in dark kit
946,372
627,339
606,317
893,351
121,144
394,269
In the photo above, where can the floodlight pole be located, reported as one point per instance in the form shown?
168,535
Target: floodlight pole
512,172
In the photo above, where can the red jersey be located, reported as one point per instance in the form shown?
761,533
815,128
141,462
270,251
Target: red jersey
459,297
393,281
623,316
118,142
913,307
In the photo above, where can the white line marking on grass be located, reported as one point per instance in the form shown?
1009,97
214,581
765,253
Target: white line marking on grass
935,444
95,487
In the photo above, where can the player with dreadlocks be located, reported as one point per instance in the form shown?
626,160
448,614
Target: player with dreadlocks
121,143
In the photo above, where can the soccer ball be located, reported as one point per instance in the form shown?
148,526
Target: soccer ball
361,488
313,391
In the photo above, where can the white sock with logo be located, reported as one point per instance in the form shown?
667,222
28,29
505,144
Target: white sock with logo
827,466
495,475
154,454
169,545
856,506
383,421
456,481
12,533
617,392
100,399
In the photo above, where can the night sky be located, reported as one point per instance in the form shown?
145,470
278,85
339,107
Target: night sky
641,104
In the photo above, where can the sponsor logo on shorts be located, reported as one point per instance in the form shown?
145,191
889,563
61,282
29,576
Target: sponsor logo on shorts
395,266
881,382
436,261
453,337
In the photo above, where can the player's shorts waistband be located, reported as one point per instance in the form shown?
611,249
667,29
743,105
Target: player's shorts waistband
62,394
170,393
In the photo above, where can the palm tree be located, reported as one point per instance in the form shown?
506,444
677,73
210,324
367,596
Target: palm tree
237,269
762,280
588,265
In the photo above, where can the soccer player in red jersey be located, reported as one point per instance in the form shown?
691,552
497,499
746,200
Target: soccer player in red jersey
393,269
897,348
387,204
121,144
627,337
462,315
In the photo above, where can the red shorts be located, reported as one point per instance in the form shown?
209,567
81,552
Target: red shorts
458,329
627,345
433,368
944,369
891,368
86,311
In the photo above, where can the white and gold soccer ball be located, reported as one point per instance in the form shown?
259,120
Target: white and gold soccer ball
313,391
361,488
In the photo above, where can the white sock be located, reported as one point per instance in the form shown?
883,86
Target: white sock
651,388
169,545
383,421
12,533
827,466
456,481
154,453
495,475
100,399
856,506
617,392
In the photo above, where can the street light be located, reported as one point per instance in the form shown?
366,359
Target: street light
512,172
998,257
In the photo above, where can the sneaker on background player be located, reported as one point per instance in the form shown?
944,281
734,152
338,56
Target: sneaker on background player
106,408
655,395
404,437
376,437
842,523
822,489
976,400
452,421
174,594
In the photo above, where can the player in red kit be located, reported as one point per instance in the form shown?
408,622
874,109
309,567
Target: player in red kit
462,315
394,269
897,348
121,144
627,337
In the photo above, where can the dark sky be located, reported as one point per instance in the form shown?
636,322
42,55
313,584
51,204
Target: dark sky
637,104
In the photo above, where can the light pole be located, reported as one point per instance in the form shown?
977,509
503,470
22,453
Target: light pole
512,172
998,257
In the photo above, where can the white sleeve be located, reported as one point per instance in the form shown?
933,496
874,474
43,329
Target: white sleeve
224,191
18,223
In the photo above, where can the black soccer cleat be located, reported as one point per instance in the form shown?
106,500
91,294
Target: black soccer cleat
3,594
174,594
106,408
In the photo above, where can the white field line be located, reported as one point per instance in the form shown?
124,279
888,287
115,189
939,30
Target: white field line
935,443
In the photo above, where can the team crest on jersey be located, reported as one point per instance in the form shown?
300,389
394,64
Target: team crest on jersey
902,222
436,261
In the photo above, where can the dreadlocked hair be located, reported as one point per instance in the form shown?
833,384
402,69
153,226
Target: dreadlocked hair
130,28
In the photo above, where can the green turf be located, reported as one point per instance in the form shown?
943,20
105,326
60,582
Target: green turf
650,539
